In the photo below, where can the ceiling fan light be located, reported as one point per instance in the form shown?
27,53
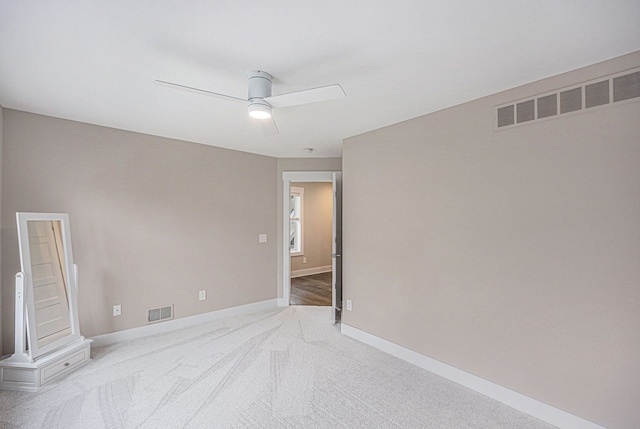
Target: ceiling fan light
259,111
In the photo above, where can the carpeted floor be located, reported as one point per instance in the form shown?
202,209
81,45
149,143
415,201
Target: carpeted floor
281,368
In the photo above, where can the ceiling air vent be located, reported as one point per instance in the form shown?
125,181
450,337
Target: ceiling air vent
599,93
160,314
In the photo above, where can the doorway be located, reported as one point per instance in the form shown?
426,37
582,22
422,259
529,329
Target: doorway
332,249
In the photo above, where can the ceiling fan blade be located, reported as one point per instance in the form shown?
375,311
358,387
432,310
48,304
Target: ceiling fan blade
197,91
269,127
314,95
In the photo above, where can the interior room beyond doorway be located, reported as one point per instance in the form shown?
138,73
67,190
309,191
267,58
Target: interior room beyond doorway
311,216
311,290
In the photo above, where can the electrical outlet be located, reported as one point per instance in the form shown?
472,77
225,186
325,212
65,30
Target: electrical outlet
349,305
202,295
304,259
262,238
117,310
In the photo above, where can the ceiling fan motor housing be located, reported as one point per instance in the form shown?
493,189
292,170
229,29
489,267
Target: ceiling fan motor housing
259,85
259,89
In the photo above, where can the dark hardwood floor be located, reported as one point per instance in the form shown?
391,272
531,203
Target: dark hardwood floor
311,290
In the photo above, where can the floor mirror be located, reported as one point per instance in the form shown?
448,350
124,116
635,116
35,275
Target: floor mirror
48,343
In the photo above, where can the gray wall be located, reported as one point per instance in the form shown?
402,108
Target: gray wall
513,255
153,220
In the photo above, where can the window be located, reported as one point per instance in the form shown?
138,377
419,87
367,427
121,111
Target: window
296,237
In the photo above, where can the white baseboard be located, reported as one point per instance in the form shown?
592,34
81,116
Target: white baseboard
184,322
520,402
310,271
282,302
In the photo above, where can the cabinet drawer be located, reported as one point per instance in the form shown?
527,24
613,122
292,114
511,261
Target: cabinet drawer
63,365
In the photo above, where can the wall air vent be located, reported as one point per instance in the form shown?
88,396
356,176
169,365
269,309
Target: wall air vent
525,111
601,92
596,94
571,100
547,106
626,87
506,116
160,314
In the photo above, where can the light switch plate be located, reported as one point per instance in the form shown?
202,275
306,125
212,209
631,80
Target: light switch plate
262,238
117,310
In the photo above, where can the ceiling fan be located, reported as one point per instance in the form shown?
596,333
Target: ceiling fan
260,102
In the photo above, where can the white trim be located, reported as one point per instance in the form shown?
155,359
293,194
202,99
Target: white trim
311,271
307,176
282,303
516,400
184,322
287,178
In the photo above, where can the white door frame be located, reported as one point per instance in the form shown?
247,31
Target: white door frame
287,178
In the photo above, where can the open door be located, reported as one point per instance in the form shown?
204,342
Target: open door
336,255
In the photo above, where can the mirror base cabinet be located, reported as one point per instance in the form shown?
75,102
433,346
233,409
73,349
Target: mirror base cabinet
29,377
21,371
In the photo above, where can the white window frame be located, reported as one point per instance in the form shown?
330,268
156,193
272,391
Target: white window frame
297,192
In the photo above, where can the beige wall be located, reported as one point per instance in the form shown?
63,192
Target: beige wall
153,220
317,224
297,164
512,255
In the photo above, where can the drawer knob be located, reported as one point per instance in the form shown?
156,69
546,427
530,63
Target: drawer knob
67,364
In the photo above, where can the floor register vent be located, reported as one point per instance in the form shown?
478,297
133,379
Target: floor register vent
601,92
160,314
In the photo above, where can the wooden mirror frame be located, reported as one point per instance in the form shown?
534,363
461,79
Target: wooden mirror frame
70,274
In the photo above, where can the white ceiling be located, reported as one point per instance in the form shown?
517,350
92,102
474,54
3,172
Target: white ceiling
96,61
